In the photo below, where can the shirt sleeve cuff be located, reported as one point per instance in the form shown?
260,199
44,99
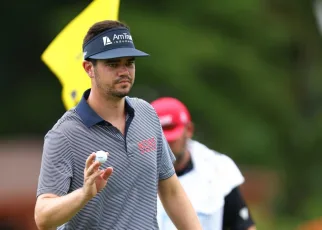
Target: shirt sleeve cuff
55,191
167,175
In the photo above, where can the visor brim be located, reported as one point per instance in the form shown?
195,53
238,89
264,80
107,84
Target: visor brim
118,53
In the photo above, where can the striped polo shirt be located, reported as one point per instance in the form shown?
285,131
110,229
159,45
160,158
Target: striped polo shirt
140,158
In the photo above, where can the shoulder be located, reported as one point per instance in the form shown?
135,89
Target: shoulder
223,164
200,150
225,161
141,106
138,103
65,125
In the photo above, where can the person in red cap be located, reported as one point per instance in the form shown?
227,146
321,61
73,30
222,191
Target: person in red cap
210,179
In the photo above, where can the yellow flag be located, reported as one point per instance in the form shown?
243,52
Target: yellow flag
64,54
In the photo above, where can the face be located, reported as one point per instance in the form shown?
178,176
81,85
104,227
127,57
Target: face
179,146
112,77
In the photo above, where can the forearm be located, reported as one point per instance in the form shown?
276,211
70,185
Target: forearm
182,213
53,212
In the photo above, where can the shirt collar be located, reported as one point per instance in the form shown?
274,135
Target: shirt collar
89,116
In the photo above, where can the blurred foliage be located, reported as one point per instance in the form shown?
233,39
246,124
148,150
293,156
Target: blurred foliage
248,70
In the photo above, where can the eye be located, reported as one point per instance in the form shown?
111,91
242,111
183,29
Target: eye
112,65
130,63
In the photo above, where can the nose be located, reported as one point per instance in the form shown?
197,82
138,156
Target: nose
124,70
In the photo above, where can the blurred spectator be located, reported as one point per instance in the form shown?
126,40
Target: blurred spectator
211,179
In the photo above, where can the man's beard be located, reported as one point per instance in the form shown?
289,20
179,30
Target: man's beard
112,91
119,94
179,157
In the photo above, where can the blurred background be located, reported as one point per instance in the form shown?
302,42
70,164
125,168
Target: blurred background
249,71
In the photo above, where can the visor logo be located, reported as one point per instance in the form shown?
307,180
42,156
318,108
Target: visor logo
122,38
106,41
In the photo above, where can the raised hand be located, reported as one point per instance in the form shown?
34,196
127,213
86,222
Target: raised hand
94,178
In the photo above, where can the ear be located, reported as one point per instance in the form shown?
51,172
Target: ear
190,129
89,68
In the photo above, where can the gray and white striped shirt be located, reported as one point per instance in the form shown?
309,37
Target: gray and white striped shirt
140,158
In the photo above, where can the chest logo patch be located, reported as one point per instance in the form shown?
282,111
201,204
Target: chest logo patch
147,145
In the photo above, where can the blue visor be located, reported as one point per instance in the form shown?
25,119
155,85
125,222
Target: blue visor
112,43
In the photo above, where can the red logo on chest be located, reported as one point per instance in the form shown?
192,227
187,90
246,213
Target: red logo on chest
148,145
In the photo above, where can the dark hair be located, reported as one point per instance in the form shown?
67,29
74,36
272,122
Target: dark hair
100,27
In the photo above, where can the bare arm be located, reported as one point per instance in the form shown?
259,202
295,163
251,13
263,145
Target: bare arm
52,211
177,204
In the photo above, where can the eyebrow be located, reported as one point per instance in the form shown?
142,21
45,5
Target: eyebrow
116,60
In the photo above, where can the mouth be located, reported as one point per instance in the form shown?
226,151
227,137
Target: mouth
123,82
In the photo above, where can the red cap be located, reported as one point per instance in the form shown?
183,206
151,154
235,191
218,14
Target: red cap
173,115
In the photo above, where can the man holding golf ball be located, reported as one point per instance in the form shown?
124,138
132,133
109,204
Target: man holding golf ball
105,161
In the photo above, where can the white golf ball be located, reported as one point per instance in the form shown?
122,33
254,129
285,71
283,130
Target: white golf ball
101,156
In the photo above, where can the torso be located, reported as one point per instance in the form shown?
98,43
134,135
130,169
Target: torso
129,200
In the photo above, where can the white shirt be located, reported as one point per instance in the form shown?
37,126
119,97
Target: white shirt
213,176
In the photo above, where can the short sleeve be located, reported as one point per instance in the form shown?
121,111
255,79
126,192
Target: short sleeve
56,165
167,159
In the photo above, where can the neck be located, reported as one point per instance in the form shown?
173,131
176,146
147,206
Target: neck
182,162
110,109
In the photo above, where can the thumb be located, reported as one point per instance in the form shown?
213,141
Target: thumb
107,173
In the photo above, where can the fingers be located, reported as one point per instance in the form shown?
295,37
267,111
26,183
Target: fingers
92,169
91,180
89,161
105,174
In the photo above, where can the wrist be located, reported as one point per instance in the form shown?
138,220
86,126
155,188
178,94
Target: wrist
84,197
